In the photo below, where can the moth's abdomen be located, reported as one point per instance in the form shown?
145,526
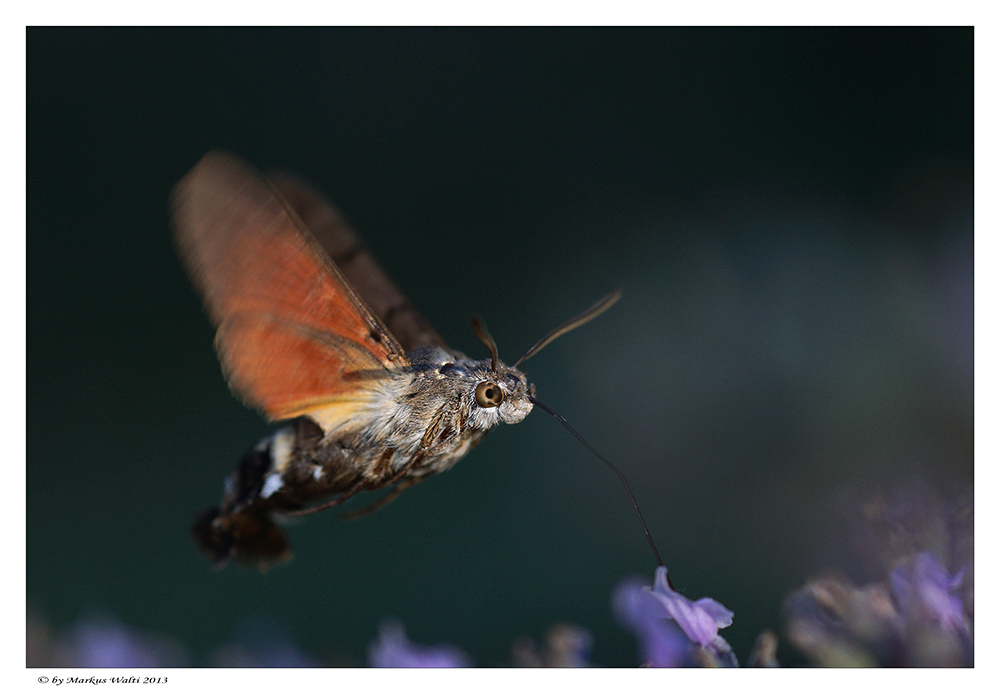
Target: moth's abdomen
241,526
249,535
283,473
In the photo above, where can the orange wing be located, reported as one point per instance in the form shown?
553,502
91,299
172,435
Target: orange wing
292,336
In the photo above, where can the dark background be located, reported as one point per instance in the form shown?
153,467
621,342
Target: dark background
789,212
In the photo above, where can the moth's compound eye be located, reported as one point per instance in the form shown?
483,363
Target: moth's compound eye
488,394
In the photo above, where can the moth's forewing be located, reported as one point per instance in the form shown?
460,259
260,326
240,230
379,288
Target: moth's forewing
292,333
356,263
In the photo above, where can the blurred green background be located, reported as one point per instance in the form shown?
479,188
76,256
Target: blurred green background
788,211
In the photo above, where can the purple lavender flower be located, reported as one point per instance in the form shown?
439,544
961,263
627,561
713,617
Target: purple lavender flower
98,640
700,620
393,649
919,615
661,643
924,591
669,626
837,624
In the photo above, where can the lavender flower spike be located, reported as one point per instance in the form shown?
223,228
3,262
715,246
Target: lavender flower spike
700,620
393,649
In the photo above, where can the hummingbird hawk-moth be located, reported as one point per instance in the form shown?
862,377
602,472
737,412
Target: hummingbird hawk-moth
310,331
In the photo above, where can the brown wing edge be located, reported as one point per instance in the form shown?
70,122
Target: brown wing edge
355,262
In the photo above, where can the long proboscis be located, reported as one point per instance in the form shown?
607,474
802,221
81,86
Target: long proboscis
587,315
628,490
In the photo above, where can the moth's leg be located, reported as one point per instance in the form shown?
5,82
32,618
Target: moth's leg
400,476
393,493
426,445
358,486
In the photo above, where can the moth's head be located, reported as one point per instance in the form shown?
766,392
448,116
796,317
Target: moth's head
503,394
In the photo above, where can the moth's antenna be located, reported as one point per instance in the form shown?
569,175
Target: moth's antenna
575,322
628,490
479,328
